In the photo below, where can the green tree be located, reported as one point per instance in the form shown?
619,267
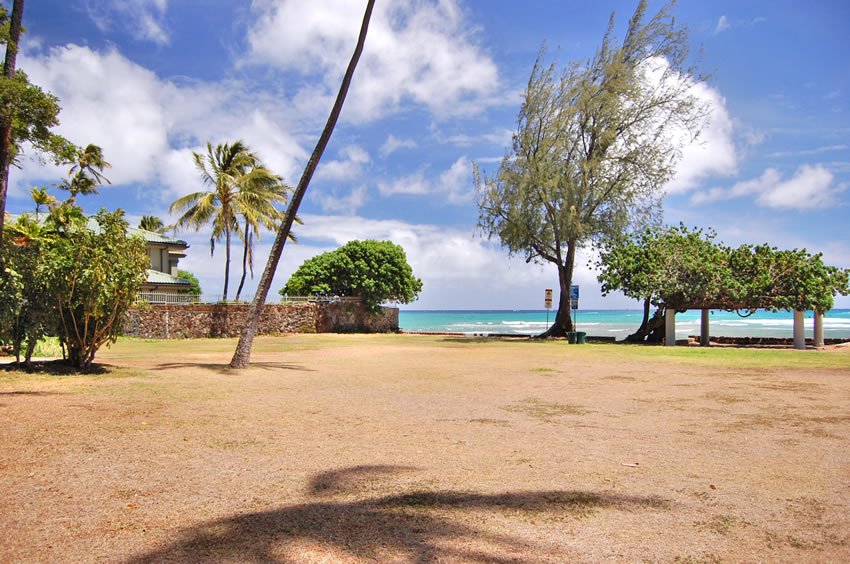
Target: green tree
95,275
242,354
374,271
152,223
27,113
193,280
592,149
41,198
237,181
86,172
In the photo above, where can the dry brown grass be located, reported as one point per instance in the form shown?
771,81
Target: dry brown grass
403,448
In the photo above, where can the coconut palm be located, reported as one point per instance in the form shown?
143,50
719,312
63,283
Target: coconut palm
86,174
152,223
237,181
40,198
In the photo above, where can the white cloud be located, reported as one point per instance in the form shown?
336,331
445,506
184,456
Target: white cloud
810,187
416,51
334,203
454,184
713,153
809,152
722,25
349,167
393,144
502,137
149,127
143,19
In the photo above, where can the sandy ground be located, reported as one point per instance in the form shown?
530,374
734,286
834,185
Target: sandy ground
413,449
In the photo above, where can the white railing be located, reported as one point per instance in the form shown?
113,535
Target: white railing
168,298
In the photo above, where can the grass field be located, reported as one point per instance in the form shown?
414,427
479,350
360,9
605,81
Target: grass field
413,448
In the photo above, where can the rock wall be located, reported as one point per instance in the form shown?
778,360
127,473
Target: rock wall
227,320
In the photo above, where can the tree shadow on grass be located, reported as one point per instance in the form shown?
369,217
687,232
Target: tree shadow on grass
416,526
225,368
54,368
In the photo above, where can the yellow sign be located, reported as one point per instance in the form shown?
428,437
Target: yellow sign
548,298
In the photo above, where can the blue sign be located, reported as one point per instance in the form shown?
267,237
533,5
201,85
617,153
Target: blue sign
574,293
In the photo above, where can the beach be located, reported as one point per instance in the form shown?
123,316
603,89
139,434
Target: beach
376,448
616,323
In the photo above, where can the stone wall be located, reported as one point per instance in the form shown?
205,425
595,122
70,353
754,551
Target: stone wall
227,320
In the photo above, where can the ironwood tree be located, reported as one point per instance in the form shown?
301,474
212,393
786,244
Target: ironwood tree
594,145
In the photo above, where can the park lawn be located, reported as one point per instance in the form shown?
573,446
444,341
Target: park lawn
398,447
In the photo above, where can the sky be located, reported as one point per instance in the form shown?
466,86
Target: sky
438,88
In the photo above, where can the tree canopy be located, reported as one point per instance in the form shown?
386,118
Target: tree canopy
374,271
679,268
593,147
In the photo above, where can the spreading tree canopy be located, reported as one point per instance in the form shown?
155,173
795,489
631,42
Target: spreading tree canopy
374,271
678,268
593,147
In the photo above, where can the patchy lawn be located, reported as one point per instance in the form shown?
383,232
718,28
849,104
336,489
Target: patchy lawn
411,448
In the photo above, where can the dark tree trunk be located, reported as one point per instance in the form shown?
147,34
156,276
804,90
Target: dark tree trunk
226,263
243,350
245,247
563,323
6,120
652,329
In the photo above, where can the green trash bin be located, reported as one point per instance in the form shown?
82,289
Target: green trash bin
581,337
572,337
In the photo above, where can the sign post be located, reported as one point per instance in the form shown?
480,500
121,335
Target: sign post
548,303
574,303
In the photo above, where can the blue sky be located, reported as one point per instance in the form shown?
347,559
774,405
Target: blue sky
438,88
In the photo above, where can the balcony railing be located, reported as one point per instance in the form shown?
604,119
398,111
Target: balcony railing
168,298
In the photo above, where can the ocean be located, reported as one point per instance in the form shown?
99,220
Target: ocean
617,323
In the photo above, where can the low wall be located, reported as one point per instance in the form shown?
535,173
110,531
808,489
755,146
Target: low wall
227,320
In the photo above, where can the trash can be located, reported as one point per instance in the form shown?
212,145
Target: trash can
581,337
571,337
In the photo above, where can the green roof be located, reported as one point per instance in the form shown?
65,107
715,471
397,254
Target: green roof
148,236
157,277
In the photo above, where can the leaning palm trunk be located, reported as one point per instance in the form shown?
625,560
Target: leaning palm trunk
243,350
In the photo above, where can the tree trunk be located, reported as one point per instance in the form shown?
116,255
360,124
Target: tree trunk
651,330
226,263
245,246
563,323
243,350
6,120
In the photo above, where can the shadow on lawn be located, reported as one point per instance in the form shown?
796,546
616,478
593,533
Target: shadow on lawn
54,368
415,526
225,368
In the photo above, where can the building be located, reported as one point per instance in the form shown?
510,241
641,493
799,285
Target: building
163,285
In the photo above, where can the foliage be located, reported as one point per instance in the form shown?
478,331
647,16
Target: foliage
374,271
68,277
94,275
86,172
193,280
239,185
682,269
594,145
152,223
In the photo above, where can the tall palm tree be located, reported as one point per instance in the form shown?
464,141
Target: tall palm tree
256,202
41,198
242,354
152,223
86,174
235,178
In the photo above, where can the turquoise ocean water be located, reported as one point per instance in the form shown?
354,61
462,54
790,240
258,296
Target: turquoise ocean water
617,323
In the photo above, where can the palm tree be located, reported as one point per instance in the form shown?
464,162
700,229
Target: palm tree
256,202
9,62
86,174
242,354
41,198
152,223
235,178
